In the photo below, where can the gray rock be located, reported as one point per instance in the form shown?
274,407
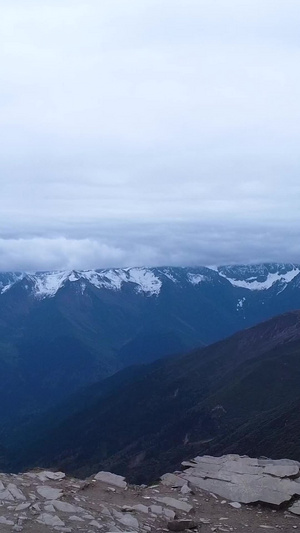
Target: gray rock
112,479
244,479
23,506
6,495
283,462
5,521
185,489
87,516
49,493
189,463
295,508
244,491
67,507
282,470
177,504
156,509
127,509
54,476
169,513
15,492
36,507
50,520
129,521
208,459
171,480
235,505
96,524
104,510
49,508
141,508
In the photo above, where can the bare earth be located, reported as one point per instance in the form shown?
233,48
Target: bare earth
33,502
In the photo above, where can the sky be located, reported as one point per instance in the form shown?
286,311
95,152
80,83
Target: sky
149,132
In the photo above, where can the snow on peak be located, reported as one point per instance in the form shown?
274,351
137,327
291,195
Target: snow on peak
48,283
254,284
113,279
168,274
195,279
149,281
146,280
105,279
11,279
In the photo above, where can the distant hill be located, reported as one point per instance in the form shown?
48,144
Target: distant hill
236,395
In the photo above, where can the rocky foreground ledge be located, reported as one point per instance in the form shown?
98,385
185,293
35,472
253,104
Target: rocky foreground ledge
206,496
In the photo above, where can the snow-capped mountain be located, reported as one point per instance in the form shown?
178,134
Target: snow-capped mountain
149,281
260,277
63,330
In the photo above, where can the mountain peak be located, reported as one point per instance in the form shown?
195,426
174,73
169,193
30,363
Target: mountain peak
149,281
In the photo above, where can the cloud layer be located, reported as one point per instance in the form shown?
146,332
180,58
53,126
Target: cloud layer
148,132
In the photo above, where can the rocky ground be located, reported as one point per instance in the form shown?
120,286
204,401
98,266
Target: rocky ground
44,501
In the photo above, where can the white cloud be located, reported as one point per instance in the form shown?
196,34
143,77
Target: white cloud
145,113
54,254
152,245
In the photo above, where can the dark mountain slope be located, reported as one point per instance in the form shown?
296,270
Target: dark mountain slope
62,331
183,405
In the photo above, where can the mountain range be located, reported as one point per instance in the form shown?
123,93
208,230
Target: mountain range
68,339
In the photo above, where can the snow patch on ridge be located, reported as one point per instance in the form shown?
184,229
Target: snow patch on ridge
254,285
13,279
240,303
195,279
108,279
169,275
145,279
48,283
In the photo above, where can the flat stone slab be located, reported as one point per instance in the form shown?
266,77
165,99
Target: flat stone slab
141,508
246,479
295,508
5,521
281,470
177,504
171,480
66,507
47,474
49,493
15,492
6,495
111,479
129,521
50,520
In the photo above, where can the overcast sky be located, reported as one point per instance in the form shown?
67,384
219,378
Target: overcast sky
149,132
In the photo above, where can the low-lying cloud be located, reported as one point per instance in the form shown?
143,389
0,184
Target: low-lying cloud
154,245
